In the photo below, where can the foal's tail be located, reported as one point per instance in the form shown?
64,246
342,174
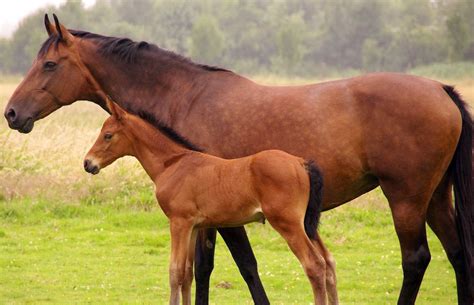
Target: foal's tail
461,172
313,210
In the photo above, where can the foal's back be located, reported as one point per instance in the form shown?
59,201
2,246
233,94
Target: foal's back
233,192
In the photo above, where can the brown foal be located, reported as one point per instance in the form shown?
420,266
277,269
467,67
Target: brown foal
196,190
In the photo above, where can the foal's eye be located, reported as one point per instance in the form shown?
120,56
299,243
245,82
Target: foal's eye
107,136
49,65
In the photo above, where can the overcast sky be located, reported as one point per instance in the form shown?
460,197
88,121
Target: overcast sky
13,11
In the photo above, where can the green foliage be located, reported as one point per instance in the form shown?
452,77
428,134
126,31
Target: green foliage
289,41
207,40
292,37
458,35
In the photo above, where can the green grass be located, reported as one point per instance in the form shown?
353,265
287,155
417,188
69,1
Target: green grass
61,252
67,237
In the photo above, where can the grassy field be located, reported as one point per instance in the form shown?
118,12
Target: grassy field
68,237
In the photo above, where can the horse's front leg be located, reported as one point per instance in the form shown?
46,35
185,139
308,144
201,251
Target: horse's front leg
181,231
239,246
205,246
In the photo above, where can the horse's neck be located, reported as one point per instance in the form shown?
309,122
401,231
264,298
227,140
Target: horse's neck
158,87
154,150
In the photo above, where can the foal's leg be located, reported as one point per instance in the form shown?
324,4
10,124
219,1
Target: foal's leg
312,261
205,246
441,219
180,238
188,273
330,270
238,243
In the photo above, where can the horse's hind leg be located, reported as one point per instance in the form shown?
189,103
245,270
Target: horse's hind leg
441,219
409,216
330,270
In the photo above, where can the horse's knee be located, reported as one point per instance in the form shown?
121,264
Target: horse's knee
416,263
456,258
203,270
249,270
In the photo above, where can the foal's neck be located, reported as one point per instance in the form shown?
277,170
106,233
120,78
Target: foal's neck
162,85
154,150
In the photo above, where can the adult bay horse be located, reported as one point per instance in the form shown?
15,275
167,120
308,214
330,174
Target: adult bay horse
196,190
410,135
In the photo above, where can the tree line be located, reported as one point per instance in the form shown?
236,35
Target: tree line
293,37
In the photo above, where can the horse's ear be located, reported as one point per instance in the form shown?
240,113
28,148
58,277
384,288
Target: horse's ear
49,27
62,32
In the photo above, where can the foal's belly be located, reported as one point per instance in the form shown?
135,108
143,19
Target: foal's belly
255,217
229,214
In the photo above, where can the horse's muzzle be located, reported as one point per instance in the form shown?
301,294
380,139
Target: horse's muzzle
18,123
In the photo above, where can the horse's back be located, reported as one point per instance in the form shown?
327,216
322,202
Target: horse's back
358,130
386,124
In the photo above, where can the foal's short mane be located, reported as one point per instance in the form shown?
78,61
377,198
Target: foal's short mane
125,49
168,131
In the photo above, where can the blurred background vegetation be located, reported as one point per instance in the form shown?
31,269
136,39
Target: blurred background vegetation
293,37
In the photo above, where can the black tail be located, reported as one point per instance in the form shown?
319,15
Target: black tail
461,173
313,211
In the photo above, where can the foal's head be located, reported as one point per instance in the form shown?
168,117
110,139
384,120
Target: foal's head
114,141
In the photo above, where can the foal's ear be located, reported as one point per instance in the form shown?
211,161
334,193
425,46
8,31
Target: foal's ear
62,32
115,110
49,27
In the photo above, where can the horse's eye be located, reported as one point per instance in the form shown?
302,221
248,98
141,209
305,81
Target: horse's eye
49,65
107,136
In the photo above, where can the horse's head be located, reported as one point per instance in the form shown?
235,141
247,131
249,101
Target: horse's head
113,141
57,78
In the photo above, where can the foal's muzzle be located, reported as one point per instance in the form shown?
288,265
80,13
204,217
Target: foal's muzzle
90,168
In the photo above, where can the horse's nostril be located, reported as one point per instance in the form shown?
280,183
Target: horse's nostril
11,114
86,164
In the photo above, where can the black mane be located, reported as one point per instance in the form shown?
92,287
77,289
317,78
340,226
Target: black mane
124,49
53,39
168,131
